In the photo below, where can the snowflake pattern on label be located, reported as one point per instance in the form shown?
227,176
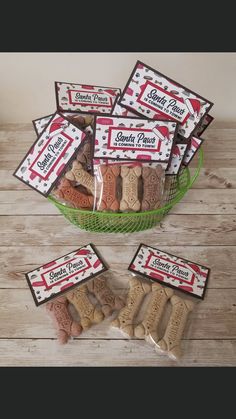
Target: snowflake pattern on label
152,94
170,270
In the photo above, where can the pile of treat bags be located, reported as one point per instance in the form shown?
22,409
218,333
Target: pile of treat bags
76,290
108,150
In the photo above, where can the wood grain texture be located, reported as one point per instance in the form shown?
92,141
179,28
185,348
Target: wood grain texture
15,261
202,228
184,229
216,178
213,318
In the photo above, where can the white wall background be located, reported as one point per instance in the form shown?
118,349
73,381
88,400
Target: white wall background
27,88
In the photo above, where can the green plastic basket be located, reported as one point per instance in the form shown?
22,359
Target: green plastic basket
108,222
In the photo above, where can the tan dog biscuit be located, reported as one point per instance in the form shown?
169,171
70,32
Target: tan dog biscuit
175,327
108,300
109,199
154,311
66,326
78,174
152,187
130,188
89,314
125,318
73,196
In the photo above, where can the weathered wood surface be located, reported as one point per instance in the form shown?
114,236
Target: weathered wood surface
14,263
214,317
194,230
202,227
98,352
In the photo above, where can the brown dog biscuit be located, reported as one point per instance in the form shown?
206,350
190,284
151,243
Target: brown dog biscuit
108,300
125,318
130,188
81,121
152,187
108,199
149,326
84,155
78,174
170,342
73,196
66,326
89,314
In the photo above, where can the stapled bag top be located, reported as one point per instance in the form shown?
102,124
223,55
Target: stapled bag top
61,275
133,138
47,159
170,270
152,94
83,98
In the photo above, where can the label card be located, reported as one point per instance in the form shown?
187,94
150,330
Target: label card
47,159
207,120
177,156
133,138
193,147
61,275
170,270
119,110
152,94
40,123
87,99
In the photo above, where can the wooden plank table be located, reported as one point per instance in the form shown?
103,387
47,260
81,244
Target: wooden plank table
201,227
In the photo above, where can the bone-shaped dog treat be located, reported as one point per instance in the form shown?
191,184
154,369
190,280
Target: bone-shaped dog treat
78,174
73,196
89,314
152,187
125,318
81,121
108,300
84,153
65,325
170,342
109,199
130,181
153,313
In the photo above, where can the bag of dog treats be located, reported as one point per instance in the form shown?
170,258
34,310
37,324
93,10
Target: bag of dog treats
128,186
76,187
154,313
